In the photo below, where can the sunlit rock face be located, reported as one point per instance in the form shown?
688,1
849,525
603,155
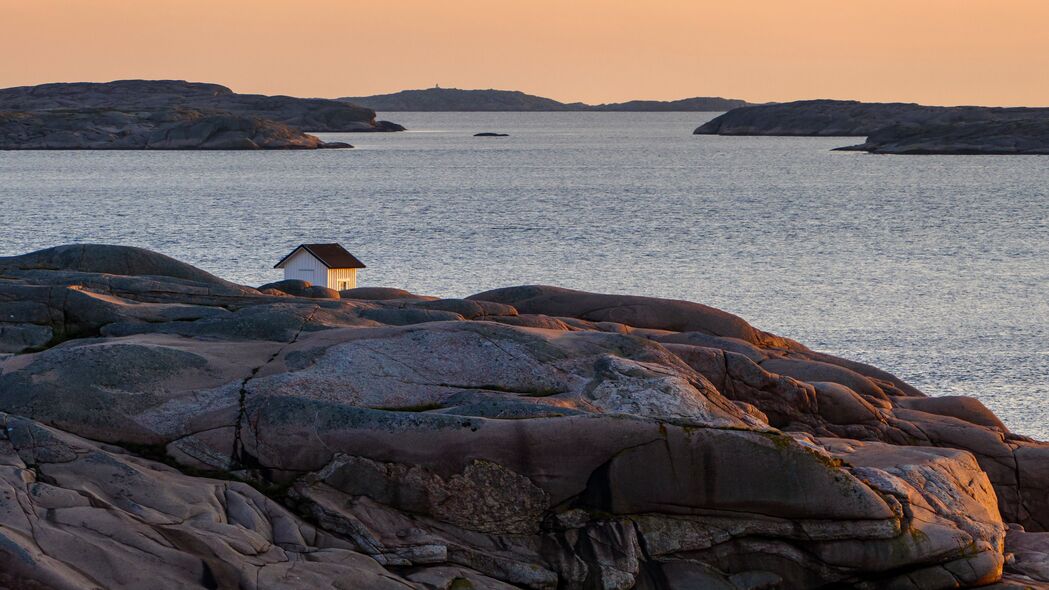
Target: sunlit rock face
166,428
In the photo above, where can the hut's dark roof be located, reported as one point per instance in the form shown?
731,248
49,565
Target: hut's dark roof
330,255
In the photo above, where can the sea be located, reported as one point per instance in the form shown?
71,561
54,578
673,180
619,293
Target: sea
935,268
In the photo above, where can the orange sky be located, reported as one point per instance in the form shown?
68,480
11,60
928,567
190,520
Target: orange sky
930,51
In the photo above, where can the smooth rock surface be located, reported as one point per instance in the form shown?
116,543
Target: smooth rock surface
166,428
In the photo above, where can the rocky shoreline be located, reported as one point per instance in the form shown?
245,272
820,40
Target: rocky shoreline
166,428
895,128
170,114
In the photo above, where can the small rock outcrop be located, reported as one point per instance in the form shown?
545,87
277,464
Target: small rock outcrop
378,293
389,126
299,288
163,428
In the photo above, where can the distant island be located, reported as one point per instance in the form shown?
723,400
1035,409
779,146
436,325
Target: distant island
170,114
898,128
454,99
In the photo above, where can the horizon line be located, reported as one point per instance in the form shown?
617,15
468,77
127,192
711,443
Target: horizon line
562,101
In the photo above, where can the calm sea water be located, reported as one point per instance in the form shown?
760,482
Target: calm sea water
935,268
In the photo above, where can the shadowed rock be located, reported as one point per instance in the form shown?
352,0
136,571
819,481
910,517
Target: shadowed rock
76,515
300,288
378,294
111,260
641,312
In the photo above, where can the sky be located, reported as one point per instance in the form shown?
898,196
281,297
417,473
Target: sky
928,51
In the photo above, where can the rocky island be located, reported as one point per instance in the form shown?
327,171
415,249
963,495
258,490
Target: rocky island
162,129
897,128
165,428
455,99
170,114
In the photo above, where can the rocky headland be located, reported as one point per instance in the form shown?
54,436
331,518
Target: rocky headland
162,129
455,99
164,428
830,118
896,128
170,114
306,114
1007,137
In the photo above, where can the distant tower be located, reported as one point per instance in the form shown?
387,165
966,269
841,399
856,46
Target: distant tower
438,86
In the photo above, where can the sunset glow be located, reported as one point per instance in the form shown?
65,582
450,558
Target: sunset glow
936,52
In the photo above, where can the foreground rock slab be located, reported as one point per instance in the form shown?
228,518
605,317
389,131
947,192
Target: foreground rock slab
160,420
81,515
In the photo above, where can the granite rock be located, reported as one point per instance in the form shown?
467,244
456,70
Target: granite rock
164,427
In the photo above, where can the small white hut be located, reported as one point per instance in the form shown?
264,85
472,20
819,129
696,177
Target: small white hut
327,265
